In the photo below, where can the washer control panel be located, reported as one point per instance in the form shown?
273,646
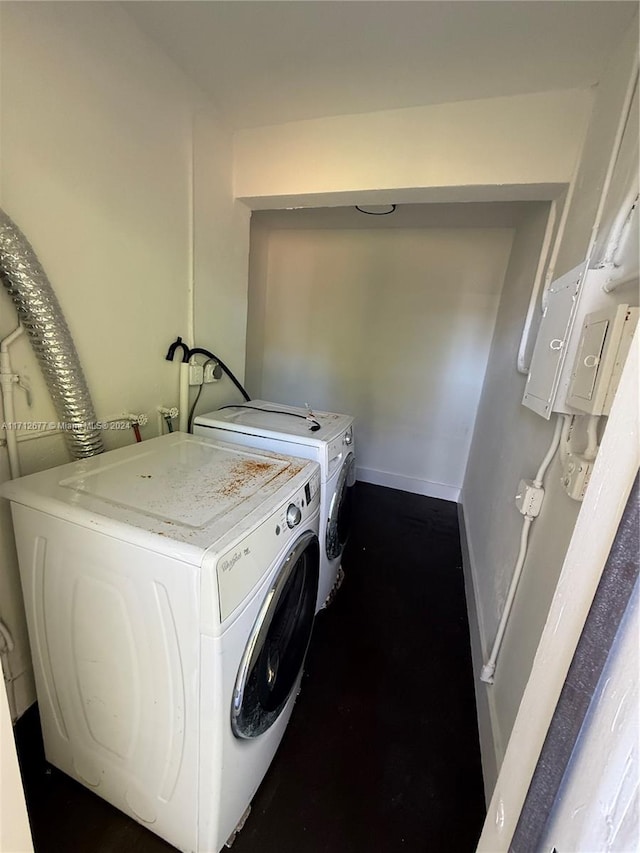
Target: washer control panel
294,515
240,568
305,501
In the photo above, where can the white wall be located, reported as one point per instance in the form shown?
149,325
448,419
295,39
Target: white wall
98,144
221,258
390,325
509,443
477,148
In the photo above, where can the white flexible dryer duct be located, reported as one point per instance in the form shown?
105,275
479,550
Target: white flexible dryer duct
41,315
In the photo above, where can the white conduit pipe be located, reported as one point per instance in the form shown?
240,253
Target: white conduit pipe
620,233
183,397
183,387
489,668
621,224
625,234
521,364
565,440
622,124
591,449
551,452
616,284
8,380
557,243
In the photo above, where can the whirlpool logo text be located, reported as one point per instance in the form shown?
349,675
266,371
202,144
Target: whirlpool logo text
230,562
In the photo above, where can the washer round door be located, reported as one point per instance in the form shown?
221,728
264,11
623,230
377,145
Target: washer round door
278,642
340,510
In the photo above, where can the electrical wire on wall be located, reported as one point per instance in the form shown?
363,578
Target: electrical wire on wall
531,496
213,357
314,426
187,355
192,410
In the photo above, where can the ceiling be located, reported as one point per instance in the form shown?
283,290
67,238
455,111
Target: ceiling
455,215
266,62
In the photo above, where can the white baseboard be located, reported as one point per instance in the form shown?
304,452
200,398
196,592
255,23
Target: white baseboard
408,484
490,749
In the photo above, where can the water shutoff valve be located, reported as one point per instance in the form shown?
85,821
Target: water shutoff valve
166,412
133,418
529,498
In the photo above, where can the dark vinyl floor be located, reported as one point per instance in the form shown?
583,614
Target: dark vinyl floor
382,750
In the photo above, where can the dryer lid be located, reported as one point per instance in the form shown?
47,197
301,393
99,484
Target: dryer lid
263,418
187,483
178,486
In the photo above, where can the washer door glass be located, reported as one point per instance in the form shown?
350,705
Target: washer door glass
278,643
339,520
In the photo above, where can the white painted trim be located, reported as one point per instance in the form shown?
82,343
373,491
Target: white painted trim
597,808
409,484
614,472
488,729
15,833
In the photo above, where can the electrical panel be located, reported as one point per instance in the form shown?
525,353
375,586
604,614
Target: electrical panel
551,385
549,352
602,350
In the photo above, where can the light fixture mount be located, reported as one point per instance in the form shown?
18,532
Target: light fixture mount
376,209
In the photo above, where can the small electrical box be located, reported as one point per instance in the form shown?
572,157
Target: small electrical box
529,498
602,350
577,472
196,374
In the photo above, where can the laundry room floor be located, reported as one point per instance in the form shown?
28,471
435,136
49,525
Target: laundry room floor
382,749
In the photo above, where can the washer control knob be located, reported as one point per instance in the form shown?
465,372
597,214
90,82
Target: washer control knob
348,436
294,515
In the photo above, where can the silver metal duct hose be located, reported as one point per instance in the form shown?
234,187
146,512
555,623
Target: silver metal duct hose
41,315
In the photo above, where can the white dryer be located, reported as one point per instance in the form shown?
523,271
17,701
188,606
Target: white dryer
324,436
170,590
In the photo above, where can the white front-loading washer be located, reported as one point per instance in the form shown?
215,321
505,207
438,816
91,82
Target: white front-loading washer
326,437
170,591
